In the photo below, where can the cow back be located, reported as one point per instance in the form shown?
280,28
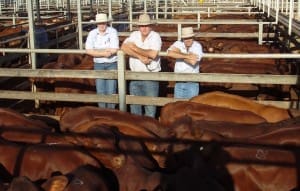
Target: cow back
197,111
270,113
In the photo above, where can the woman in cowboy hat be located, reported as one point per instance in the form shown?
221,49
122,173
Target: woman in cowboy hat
143,47
103,43
188,54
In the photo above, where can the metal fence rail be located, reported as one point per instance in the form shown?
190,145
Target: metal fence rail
123,76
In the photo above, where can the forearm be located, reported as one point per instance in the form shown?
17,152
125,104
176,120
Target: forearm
101,52
188,58
129,50
190,61
177,55
148,53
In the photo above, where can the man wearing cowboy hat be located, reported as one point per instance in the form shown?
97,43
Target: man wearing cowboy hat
143,47
188,54
103,43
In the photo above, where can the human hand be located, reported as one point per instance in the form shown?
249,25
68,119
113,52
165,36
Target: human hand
107,53
192,56
113,51
144,60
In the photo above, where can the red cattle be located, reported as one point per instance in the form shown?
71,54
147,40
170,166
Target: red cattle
83,178
15,126
142,127
126,156
264,159
197,111
221,99
22,183
68,85
39,161
11,118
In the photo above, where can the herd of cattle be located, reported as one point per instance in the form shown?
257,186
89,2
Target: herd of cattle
215,141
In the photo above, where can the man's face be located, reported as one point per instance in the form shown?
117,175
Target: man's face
145,30
188,41
102,27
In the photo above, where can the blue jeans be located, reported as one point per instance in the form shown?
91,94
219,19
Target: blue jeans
186,89
106,87
144,88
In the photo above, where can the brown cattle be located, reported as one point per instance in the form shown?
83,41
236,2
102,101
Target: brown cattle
11,118
234,130
22,184
68,85
265,160
15,126
83,178
197,111
39,161
270,113
126,156
142,127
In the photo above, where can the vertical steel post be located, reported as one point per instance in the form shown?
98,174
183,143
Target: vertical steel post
121,80
291,16
260,33
156,9
179,31
110,9
130,15
79,25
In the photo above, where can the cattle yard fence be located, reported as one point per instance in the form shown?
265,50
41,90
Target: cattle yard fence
123,75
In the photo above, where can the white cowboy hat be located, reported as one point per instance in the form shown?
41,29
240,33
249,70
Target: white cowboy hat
101,18
187,32
144,19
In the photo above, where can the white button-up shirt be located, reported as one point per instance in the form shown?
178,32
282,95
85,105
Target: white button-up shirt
109,39
152,41
180,65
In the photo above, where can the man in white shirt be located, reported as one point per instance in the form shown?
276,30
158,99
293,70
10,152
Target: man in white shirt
103,43
188,54
143,47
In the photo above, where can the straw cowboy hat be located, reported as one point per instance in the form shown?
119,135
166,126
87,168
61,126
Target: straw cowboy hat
144,19
187,32
101,18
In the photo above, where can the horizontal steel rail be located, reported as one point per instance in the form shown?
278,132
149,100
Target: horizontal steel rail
124,76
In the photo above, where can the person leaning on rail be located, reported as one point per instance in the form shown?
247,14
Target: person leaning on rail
143,47
188,54
103,43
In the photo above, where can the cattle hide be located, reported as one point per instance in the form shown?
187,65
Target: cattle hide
141,127
83,178
220,99
68,85
197,167
39,161
235,130
15,126
127,156
197,111
11,118
266,161
23,184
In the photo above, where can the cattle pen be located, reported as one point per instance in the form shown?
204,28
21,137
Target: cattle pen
239,134
281,14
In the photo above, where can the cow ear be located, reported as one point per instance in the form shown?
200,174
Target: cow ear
56,182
